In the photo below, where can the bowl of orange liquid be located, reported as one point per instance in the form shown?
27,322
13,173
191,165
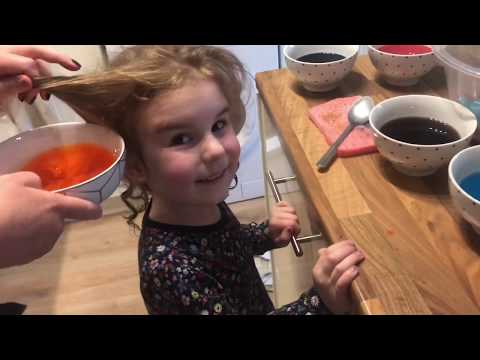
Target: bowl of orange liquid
76,159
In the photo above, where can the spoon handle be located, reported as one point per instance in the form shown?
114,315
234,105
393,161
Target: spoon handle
327,159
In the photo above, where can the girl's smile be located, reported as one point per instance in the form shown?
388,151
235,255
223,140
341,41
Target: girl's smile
213,178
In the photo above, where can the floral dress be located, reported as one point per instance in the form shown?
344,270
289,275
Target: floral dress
209,269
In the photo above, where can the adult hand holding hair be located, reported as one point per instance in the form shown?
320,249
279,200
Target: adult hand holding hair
20,64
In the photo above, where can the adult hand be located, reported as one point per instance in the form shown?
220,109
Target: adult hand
32,219
20,64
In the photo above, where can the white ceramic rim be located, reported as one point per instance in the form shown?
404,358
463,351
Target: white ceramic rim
357,48
398,55
454,180
396,98
122,142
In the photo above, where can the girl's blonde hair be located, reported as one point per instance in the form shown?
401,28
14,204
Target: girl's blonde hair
112,96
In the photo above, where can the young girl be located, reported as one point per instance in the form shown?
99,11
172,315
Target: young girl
179,110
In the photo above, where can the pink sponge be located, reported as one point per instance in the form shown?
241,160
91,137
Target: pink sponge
332,118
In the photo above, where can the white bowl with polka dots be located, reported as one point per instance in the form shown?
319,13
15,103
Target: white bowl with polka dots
463,164
18,150
416,159
401,70
320,77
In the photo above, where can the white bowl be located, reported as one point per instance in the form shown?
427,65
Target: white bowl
415,159
463,164
320,77
18,150
401,70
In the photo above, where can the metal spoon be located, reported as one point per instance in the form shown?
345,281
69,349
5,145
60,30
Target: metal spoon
358,115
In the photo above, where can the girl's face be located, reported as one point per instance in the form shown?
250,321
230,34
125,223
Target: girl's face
189,145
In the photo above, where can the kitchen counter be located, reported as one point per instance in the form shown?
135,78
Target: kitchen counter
421,256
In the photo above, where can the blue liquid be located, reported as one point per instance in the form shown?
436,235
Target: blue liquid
471,185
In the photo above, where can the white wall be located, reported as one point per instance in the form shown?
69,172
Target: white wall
89,56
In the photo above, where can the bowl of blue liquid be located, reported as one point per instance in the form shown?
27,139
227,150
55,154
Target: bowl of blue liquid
464,184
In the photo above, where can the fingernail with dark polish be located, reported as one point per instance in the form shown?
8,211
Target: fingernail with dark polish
21,97
76,63
47,96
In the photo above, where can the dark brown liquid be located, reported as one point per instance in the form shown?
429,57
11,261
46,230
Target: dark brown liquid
420,130
320,57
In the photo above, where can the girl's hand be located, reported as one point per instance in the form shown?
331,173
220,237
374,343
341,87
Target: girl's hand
334,272
283,224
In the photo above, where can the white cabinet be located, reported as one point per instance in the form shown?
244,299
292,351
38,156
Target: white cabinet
291,275
256,58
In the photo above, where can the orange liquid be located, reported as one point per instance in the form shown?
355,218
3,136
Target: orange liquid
70,165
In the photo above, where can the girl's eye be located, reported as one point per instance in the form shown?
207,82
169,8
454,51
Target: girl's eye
219,125
180,140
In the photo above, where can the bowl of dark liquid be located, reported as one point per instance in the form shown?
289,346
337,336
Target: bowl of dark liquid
420,133
464,184
320,68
